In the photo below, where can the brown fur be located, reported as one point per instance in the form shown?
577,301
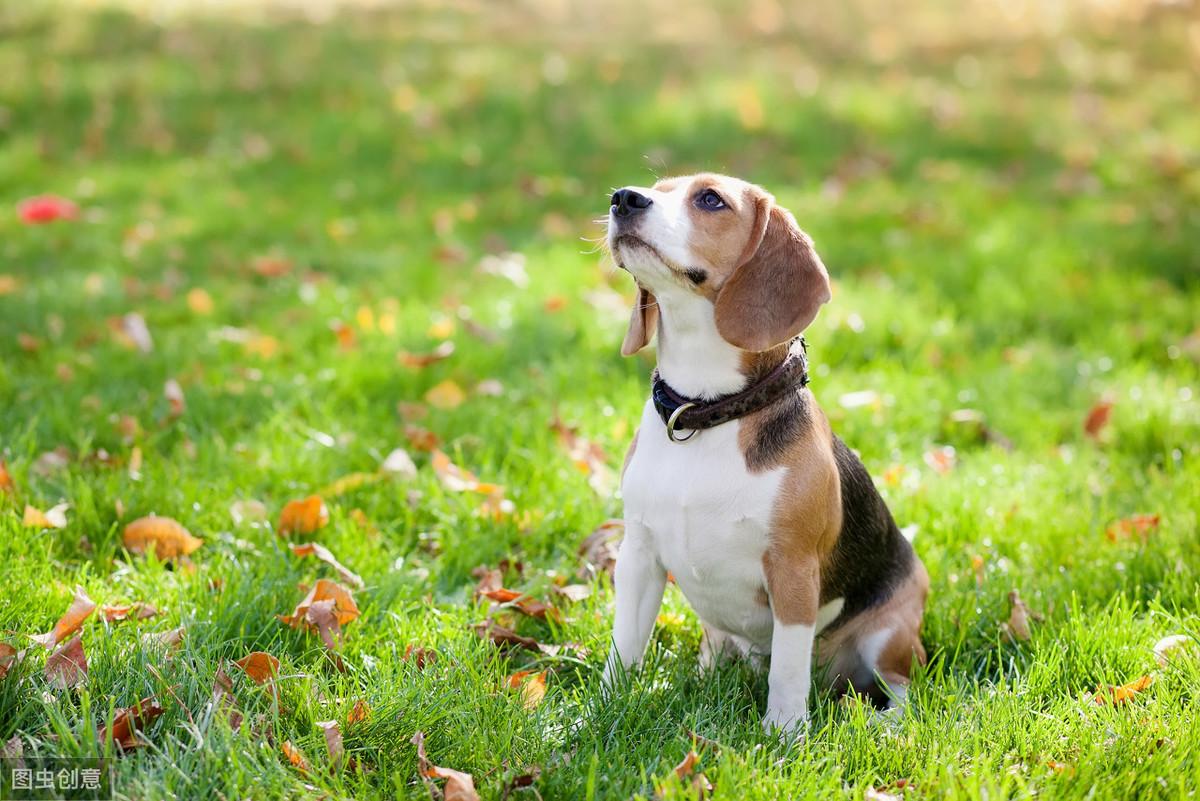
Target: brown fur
643,322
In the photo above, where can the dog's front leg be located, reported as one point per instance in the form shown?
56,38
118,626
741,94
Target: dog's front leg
639,580
794,591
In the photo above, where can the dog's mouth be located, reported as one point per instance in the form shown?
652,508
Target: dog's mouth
631,241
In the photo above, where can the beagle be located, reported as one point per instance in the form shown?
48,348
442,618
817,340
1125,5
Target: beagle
734,483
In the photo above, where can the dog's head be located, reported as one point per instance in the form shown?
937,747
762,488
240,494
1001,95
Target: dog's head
722,240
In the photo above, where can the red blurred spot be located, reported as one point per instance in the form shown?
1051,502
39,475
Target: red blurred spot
45,209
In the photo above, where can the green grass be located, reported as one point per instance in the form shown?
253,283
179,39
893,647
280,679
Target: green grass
1010,218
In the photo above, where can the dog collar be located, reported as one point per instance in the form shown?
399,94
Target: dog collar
682,413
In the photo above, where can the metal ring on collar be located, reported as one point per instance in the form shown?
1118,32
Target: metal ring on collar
671,424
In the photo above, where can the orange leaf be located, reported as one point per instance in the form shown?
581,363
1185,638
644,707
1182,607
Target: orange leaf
359,713
199,301
941,459
6,482
294,756
161,535
8,655
128,721
1119,695
1097,418
260,666
55,517
67,667
138,611
421,439
350,482
1126,528
459,786
419,655
344,607
303,516
532,686
81,607
323,553
446,395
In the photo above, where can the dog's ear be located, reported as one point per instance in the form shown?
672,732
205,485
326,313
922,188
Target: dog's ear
643,322
776,291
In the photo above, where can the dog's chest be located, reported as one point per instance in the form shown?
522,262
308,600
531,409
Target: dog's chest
709,519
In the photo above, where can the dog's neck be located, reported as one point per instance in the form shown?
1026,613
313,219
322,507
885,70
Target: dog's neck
695,360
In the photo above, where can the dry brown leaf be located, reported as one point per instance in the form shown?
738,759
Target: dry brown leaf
1140,526
421,439
420,360
260,666
294,757
359,713
81,607
587,456
303,516
420,655
325,589
114,613
54,517
1123,693
532,686
1060,767
8,656
165,537
459,786
1017,627
322,617
323,553
503,636
686,771
445,395
1170,648
333,742
129,722
599,549
574,592
458,479
171,638
67,667
1097,418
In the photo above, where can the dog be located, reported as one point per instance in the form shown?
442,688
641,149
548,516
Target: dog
734,484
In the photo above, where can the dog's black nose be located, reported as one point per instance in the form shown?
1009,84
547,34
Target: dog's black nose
627,203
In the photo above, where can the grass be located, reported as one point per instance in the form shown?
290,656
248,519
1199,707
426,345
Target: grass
1009,213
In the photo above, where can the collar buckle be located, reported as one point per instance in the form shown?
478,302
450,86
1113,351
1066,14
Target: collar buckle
674,418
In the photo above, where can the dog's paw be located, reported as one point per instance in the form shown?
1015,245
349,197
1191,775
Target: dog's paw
786,723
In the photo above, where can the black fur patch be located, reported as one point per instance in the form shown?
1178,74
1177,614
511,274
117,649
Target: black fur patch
785,421
696,275
871,557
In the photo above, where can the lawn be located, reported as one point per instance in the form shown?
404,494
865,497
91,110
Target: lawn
281,220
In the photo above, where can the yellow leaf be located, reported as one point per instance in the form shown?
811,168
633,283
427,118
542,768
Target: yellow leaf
446,395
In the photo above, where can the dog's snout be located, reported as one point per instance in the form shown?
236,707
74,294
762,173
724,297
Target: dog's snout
628,202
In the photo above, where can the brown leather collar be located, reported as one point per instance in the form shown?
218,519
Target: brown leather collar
680,413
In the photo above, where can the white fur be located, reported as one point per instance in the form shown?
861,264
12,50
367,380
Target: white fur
790,676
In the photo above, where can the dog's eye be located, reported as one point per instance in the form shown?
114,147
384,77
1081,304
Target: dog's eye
709,200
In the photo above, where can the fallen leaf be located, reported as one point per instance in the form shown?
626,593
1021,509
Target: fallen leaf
445,395
349,483
532,686
1123,693
333,742
1017,627
294,757
8,284
459,786
42,209
359,713
419,655
420,360
574,592
8,656
343,608
175,399
129,722
873,794
1173,647
1060,767
260,666
399,463
941,459
345,335
172,638
458,479
323,553
686,771
111,613
54,517
67,667
1141,526
500,635
133,332
80,609
199,301
1097,418
163,536
321,616
587,456
303,516
6,483
421,439
599,549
